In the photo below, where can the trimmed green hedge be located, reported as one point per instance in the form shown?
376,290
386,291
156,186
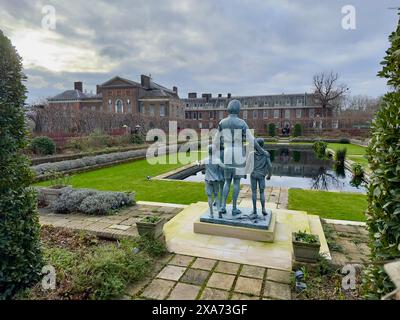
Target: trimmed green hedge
20,250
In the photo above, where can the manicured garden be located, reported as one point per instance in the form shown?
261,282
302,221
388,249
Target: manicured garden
354,152
331,205
132,176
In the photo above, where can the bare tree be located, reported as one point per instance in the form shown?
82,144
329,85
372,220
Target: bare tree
327,91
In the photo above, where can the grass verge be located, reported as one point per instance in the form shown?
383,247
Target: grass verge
331,205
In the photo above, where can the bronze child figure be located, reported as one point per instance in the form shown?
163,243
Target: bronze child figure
262,170
213,178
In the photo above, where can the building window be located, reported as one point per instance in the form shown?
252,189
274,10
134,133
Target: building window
299,102
265,114
129,105
245,103
276,103
298,113
244,114
110,105
221,105
151,110
200,125
255,114
119,106
93,108
256,104
287,114
211,115
288,102
311,113
221,114
276,113
200,115
162,110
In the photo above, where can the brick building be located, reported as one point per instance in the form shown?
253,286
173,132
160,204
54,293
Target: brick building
283,110
119,95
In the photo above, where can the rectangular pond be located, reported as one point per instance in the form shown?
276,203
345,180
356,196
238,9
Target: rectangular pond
294,167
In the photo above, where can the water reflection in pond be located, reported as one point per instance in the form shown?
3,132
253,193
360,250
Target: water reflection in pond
296,167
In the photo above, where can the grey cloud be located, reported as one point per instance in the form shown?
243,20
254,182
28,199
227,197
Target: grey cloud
243,47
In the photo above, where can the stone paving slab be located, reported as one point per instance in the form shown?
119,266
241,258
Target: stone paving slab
183,291
158,289
277,290
214,294
239,296
227,267
204,264
181,260
248,285
195,276
279,276
252,272
171,273
221,281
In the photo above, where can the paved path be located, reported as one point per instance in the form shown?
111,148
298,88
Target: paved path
181,277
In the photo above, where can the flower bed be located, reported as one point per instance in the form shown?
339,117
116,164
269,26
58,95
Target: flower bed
92,202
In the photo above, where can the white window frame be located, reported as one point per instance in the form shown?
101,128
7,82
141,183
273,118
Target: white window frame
298,113
116,106
276,113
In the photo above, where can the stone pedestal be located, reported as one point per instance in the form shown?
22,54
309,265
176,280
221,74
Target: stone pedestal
242,226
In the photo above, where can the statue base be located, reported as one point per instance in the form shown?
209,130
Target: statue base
243,226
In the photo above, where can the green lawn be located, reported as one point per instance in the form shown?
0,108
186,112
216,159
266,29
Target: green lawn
352,149
132,177
331,205
354,152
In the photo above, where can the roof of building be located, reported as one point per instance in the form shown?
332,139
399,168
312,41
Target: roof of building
156,91
73,95
118,81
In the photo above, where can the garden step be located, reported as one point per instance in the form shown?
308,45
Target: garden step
316,228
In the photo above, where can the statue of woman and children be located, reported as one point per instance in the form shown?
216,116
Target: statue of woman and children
230,159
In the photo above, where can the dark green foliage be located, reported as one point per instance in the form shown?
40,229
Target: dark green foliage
319,148
383,213
43,145
344,141
151,219
137,138
107,271
298,130
303,236
20,252
340,156
271,129
153,247
391,62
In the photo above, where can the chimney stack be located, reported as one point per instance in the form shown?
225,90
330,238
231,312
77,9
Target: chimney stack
175,89
219,95
229,95
145,81
78,86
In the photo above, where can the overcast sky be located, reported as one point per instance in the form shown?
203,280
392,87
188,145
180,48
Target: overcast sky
246,47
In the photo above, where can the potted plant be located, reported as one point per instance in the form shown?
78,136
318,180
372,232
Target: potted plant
58,183
150,226
305,246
